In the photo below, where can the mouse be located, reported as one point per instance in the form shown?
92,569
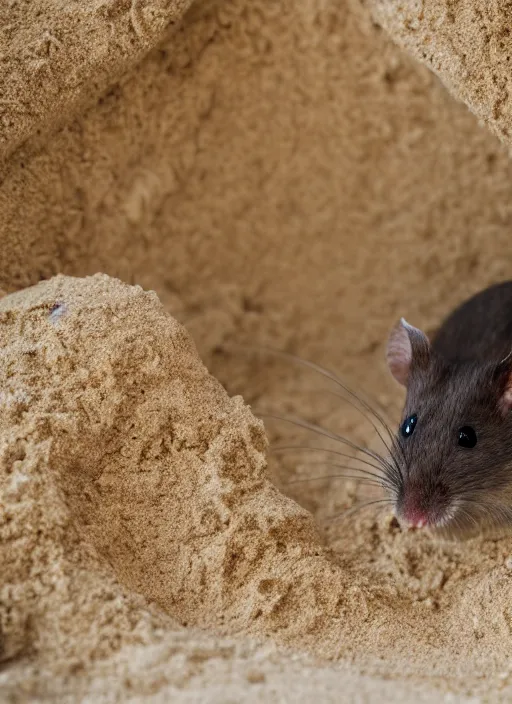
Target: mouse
451,456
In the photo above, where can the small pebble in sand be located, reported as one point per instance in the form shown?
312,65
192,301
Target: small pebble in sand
57,311
255,677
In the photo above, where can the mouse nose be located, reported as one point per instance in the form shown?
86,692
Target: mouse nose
424,504
413,510
414,517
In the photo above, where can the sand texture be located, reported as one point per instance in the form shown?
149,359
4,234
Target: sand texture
56,56
467,44
131,481
277,173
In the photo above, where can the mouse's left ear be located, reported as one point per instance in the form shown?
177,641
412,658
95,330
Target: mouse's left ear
407,347
504,373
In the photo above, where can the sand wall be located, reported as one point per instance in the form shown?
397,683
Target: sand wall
467,44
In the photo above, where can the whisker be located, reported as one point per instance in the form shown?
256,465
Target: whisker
366,416
302,448
324,372
502,513
394,443
468,515
389,469
353,509
375,478
357,397
458,523
326,433
360,480
368,477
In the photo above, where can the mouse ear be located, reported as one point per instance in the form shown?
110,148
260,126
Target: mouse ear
504,371
406,344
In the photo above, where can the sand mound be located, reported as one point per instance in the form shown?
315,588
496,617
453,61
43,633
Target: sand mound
109,405
467,44
126,465
57,57
130,478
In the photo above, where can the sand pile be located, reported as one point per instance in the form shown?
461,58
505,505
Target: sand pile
57,57
279,174
128,474
467,44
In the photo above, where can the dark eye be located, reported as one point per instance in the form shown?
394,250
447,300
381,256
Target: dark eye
467,437
407,427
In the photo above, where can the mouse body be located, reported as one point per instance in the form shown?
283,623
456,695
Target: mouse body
451,460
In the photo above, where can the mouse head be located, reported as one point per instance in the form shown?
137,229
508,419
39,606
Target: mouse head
451,461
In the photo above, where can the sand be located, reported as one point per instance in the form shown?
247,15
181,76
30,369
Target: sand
467,44
58,57
277,174
135,499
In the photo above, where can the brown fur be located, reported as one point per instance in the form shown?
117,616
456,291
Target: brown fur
460,380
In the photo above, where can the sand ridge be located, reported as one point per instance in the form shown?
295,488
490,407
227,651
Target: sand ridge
126,445
467,44
58,57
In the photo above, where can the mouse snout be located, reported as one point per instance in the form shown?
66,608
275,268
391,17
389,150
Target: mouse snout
419,507
415,517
